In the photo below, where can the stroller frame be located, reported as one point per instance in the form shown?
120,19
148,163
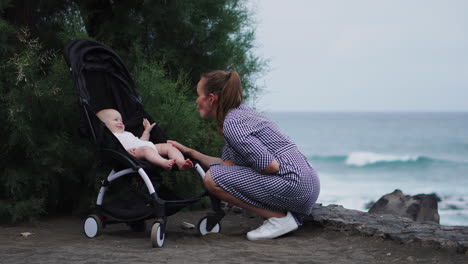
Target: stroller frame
88,60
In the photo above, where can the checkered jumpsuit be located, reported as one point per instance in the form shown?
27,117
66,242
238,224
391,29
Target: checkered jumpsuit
252,142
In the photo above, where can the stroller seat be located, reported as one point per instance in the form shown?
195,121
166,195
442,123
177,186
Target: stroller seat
102,81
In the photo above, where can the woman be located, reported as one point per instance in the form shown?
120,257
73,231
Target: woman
260,170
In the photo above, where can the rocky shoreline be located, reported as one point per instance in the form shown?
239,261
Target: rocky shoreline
400,229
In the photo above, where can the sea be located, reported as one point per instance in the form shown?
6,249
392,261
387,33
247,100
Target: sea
362,156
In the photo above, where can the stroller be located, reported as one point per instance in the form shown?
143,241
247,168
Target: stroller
102,81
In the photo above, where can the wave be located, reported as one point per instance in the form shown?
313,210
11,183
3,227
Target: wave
454,203
363,159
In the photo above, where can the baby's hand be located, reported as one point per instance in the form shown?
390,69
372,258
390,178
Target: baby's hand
146,124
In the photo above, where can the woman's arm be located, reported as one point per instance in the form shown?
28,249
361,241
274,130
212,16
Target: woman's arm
241,137
204,160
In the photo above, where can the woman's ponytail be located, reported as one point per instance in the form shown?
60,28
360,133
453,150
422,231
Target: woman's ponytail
227,86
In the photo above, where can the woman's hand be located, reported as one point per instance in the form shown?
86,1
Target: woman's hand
227,163
272,168
185,150
202,159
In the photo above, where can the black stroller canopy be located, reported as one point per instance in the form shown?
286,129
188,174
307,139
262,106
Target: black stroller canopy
102,81
101,78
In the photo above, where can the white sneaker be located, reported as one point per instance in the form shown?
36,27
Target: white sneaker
274,227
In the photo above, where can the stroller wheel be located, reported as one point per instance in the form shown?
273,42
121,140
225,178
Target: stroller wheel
203,229
157,235
92,226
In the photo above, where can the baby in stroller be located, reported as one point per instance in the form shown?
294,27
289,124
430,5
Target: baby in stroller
142,148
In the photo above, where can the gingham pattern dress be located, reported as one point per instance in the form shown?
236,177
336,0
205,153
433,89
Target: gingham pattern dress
252,142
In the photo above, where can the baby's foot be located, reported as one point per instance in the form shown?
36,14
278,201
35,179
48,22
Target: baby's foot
184,164
169,164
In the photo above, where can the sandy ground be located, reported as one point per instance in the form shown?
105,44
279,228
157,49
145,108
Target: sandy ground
60,240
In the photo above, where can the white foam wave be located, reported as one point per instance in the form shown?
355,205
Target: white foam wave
365,158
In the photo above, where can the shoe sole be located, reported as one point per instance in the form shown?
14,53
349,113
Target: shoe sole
271,237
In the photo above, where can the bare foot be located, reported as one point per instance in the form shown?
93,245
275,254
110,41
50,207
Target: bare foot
184,164
168,165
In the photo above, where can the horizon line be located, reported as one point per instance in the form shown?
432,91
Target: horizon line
365,111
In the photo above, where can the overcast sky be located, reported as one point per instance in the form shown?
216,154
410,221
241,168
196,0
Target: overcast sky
356,55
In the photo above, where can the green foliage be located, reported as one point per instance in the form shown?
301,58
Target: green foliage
42,18
72,23
42,155
6,44
45,166
172,105
186,36
21,209
4,4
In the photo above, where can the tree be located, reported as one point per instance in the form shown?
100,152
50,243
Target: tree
43,156
184,35
45,167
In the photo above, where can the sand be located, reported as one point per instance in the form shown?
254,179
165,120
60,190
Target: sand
60,240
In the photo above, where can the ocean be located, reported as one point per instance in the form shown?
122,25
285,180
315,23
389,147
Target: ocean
362,156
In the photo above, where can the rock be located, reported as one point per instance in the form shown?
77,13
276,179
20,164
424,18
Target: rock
237,210
453,207
421,207
400,229
26,234
186,225
369,205
225,205
249,214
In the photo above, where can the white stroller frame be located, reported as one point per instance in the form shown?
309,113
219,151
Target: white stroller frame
115,175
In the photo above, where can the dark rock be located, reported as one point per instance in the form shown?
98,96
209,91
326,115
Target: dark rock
421,207
237,210
369,205
400,229
454,207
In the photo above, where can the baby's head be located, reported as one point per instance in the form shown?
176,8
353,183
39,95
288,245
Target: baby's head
112,119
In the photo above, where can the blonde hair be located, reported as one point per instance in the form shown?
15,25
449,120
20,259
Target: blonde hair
227,86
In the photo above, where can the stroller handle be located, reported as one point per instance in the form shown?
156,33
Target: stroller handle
200,170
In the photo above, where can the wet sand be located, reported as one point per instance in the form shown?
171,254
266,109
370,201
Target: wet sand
60,240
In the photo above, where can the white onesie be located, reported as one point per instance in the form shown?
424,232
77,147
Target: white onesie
129,141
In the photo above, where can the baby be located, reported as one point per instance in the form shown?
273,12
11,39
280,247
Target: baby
142,148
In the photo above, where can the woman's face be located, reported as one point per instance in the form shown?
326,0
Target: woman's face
205,103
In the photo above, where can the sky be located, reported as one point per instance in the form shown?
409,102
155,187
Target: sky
362,55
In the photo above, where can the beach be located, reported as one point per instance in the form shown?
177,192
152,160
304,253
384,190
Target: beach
60,240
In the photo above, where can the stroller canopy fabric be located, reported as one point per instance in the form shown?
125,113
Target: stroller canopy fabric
102,81
101,78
